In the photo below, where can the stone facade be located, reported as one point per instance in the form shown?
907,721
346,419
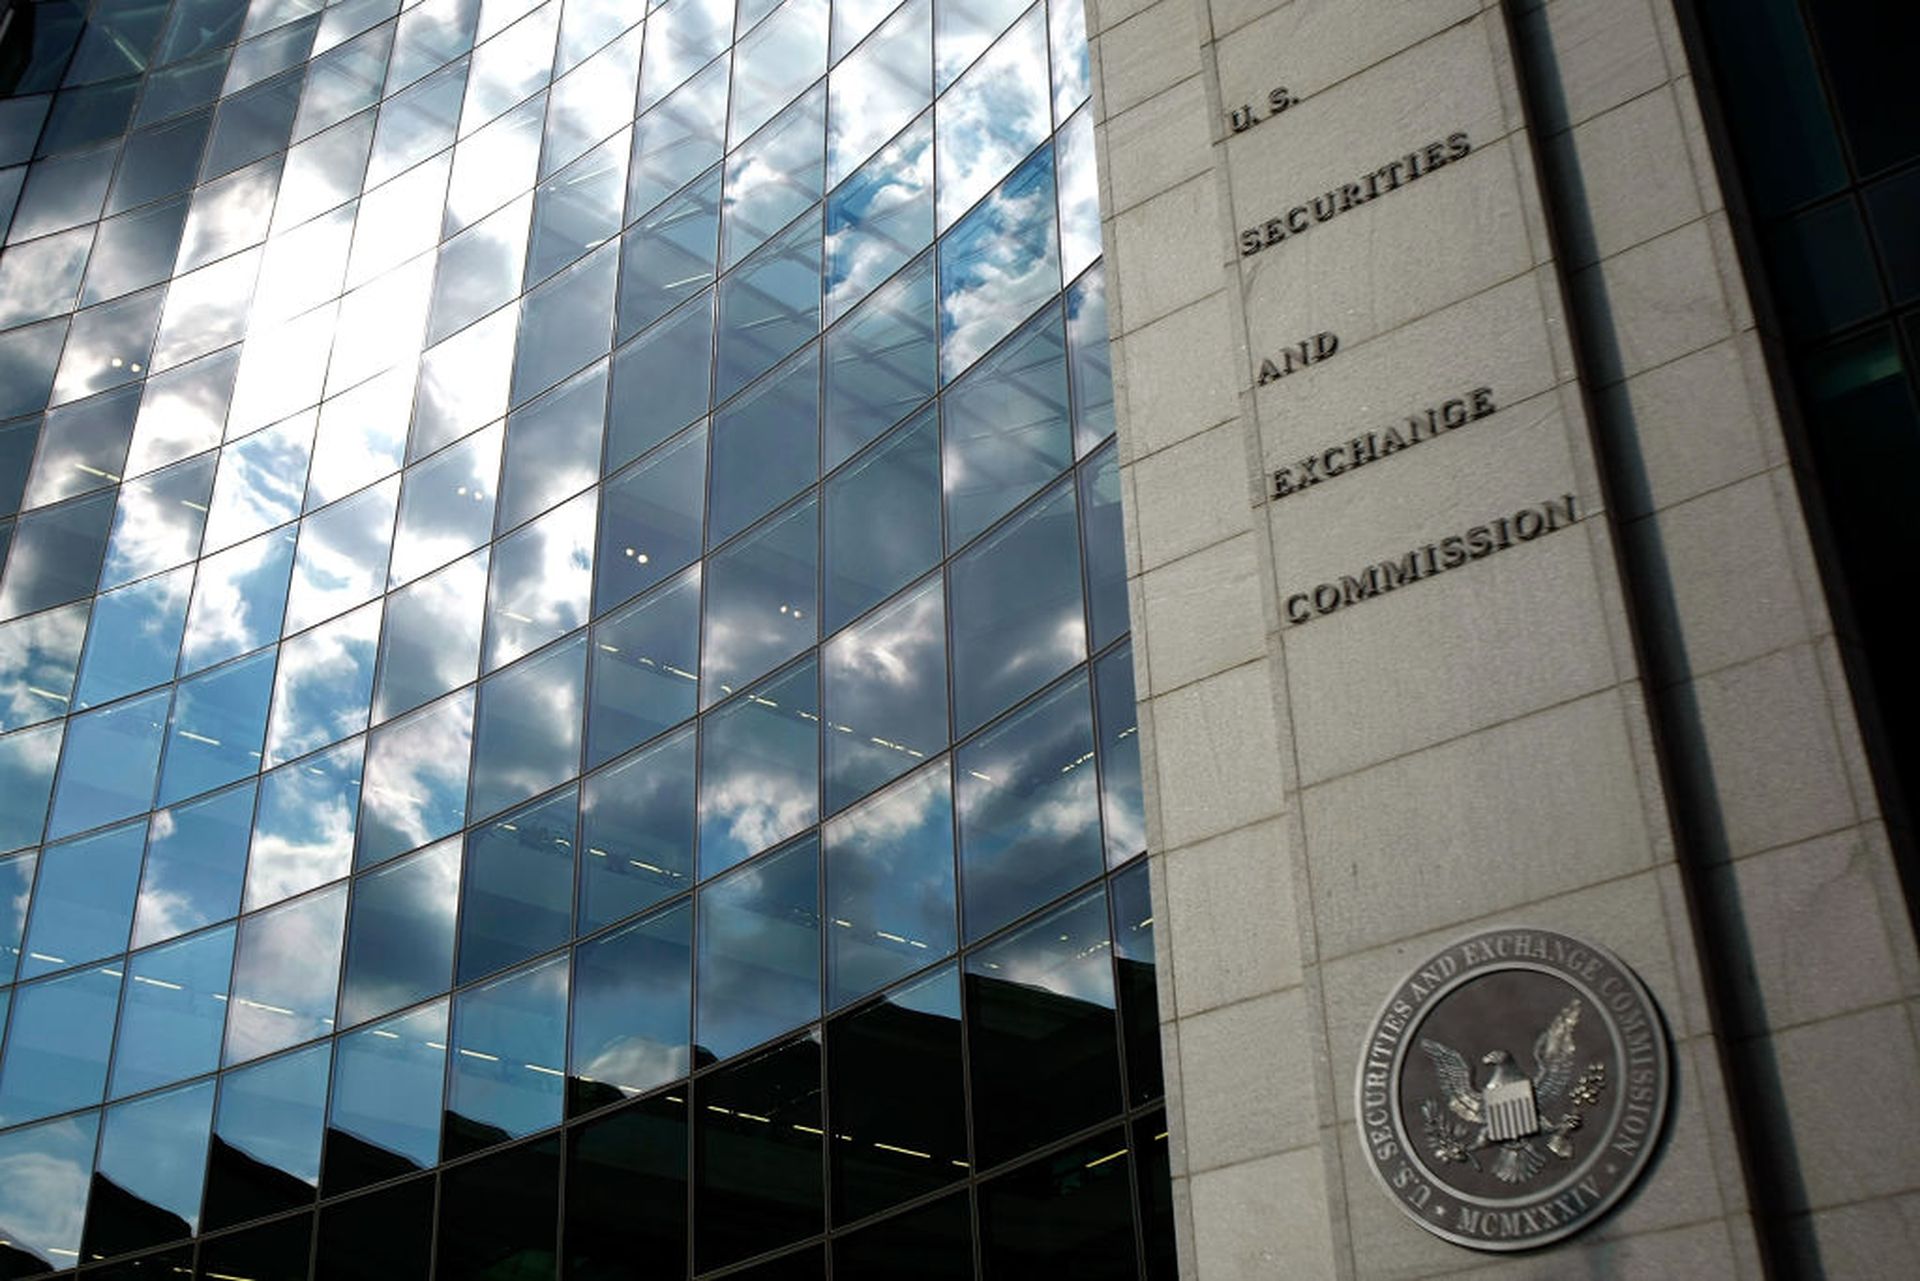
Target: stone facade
1635,729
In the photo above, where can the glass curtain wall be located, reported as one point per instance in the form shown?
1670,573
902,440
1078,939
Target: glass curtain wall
565,697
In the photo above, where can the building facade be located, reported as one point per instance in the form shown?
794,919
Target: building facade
564,647
850,639
1517,425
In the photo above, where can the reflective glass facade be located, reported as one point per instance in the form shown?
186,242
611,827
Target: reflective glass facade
565,696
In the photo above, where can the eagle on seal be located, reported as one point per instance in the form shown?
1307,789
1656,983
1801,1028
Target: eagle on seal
1509,1108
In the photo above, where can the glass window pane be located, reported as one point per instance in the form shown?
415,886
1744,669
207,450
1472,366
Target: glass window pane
1120,791
173,1012
56,555
934,1242
1016,609
43,1214
998,263
1072,1210
568,323
134,639
429,35
766,446
161,161
498,162
150,1170
16,891
57,1040
196,864
632,1009
303,832
385,1114
660,383
362,436
286,967
1822,270
652,522
553,447
962,28
883,520
627,1189
681,36
38,658
769,305
324,170
637,829
757,1155
135,251
260,482
517,894
678,139
881,87
432,638
882,363
1134,957
384,1234
479,269
183,411
1039,760
40,278
108,769
896,1092
253,123
239,598
775,61
343,556
399,221
26,778
996,113
229,214
63,191
83,447
761,601
592,101
446,506
508,69
83,903
669,255
1079,195
759,961
266,1139
416,781
510,1055
886,694
1041,1043
417,122
343,80
500,1215
759,769
890,895
324,684
464,381
400,940
527,736
646,661
579,208
542,581
773,177
219,718
1088,362
1006,427
28,358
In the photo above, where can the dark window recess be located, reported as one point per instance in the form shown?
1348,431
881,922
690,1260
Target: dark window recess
172,1263
1133,954
275,1251
931,1243
499,1215
1153,1179
627,1189
895,1096
757,1134
383,1236
1069,1213
808,1264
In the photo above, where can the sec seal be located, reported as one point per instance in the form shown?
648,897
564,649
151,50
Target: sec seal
1512,1088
